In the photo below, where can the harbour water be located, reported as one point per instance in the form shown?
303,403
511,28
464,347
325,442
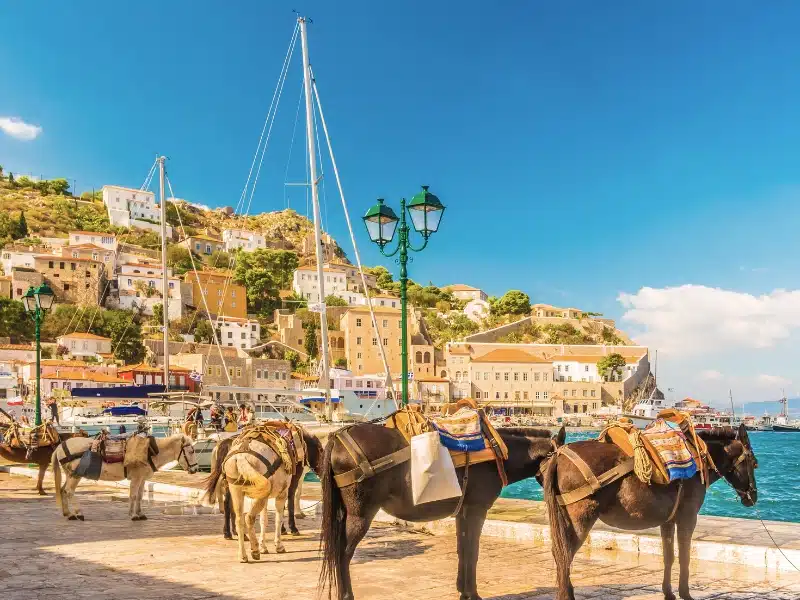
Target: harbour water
778,479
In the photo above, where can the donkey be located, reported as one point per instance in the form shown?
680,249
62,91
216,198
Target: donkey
68,454
349,511
627,503
41,457
221,495
259,475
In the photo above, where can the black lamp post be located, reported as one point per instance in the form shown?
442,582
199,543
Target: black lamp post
37,302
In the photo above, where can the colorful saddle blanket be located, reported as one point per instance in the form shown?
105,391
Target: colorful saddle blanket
670,444
461,432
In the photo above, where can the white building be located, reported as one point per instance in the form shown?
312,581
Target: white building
568,368
306,283
107,241
241,238
140,285
18,256
82,345
128,207
238,333
466,292
477,310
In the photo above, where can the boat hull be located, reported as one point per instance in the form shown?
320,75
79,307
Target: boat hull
787,428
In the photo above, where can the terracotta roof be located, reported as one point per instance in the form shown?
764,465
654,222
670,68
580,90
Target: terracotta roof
327,269
55,257
461,287
85,336
85,376
378,309
220,274
509,355
459,350
86,247
16,347
58,362
153,266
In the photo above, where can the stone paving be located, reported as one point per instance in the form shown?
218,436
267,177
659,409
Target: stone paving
45,557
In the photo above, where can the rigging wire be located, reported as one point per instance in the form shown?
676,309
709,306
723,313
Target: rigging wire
291,146
353,240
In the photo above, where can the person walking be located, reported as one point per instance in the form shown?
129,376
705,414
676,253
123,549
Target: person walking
53,404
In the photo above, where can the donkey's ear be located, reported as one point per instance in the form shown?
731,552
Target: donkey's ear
742,436
560,437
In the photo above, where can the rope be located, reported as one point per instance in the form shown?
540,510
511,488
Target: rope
641,461
773,539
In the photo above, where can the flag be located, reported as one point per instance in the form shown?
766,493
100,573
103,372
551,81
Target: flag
15,401
195,376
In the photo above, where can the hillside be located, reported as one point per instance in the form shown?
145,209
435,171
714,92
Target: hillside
53,215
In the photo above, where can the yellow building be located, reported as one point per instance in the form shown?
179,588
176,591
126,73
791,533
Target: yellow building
222,295
76,280
361,342
202,245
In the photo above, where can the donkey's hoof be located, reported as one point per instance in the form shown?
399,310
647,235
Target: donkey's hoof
294,532
42,493
283,530
81,517
256,555
228,536
298,514
135,518
243,559
73,517
143,517
280,549
669,596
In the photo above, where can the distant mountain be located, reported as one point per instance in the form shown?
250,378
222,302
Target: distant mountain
770,406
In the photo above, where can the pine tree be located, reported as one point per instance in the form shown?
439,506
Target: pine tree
10,177
22,226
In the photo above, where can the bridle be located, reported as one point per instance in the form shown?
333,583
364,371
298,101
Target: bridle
192,467
746,454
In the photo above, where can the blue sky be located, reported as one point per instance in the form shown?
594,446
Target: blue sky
584,150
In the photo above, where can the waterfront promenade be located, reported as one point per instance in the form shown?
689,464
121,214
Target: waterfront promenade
183,556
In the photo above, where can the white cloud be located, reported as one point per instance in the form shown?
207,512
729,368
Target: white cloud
772,380
17,128
694,319
710,375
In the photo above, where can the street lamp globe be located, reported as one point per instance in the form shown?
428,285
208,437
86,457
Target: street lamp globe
44,297
426,212
29,300
381,223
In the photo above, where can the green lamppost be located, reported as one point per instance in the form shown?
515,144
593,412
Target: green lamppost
37,302
426,212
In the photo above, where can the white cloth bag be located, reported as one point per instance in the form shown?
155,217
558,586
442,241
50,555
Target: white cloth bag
433,476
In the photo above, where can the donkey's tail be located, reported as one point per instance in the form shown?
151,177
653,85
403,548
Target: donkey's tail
217,460
560,524
333,538
57,477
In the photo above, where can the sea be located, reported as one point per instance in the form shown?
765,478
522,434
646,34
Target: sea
777,478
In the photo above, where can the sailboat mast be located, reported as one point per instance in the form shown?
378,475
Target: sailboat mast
164,277
312,159
733,409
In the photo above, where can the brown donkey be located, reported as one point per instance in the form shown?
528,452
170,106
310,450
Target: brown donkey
349,511
627,503
41,456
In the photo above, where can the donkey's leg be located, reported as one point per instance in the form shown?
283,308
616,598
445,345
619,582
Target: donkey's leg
70,501
258,507
292,490
686,524
132,491
474,517
668,550
139,496
356,527
280,504
298,511
227,514
40,481
264,527
237,499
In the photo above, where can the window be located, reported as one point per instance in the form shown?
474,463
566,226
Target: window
244,335
258,373
209,370
585,393
566,393
546,394
592,393
566,368
586,368
230,335
238,371
233,304
219,371
569,378
525,395
386,322
230,371
50,264
559,368
418,357
358,355
497,376
505,376
537,395
497,395
544,376
594,405
505,395
516,396
574,393
385,341
427,358
66,287
516,376
358,323
61,265
486,375
524,377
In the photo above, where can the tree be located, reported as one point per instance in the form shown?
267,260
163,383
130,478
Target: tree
610,365
22,226
204,332
125,330
14,323
58,186
383,278
179,258
331,300
220,259
293,358
310,339
341,363
11,179
158,314
295,301
513,302
264,272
